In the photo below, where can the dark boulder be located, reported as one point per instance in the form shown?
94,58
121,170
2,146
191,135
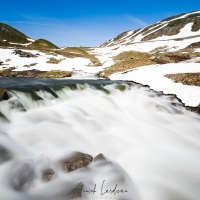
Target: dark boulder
4,95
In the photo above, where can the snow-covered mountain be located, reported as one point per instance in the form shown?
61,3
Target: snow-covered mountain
183,27
168,49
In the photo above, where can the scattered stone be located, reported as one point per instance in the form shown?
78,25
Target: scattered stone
53,61
1,62
75,161
24,54
47,175
31,65
8,60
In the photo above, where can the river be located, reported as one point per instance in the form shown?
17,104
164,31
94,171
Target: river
151,143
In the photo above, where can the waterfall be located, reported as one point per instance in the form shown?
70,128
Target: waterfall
150,141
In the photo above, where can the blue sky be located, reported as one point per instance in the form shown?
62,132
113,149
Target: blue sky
87,22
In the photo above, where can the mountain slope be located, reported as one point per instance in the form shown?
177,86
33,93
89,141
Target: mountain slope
42,44
176,27
10,34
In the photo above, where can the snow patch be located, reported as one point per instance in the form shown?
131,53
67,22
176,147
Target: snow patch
153,76
186,31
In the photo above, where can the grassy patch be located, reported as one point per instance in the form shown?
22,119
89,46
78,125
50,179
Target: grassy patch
53,61
127,60
185,78
171,57
132,59
42,44
54,74
74,52
35,73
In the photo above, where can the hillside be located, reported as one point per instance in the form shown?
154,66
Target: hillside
182,26
9,34
42,44
163,56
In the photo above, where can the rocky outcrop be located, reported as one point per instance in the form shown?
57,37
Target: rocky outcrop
35,73
185,78
3,95
75,161
24,54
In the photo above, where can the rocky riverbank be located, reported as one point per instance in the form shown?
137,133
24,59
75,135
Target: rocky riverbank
35,73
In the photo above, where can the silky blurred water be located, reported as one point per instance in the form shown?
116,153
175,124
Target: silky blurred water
153,143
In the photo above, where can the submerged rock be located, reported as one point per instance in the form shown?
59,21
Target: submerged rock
5,154
3,95
21,176
47,174
75,161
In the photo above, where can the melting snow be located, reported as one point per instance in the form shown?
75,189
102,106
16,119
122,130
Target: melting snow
153,76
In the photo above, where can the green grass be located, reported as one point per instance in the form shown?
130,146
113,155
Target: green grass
127,60
185,78
42,44
11,34
74,52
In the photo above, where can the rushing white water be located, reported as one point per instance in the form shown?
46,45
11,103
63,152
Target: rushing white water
154,143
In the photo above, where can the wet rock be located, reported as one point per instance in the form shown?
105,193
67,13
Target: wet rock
21,176
47,174
5,154
99,157
193,109
75,161
4,95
